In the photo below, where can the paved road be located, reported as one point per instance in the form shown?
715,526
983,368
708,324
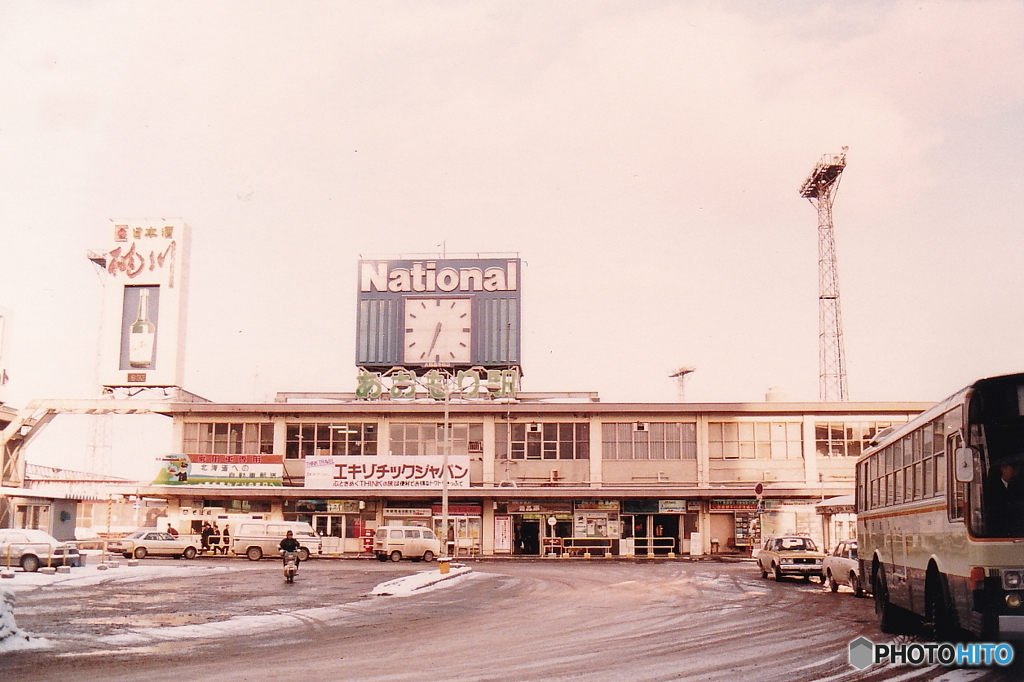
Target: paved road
234,620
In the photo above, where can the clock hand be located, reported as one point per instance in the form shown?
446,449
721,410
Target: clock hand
433,342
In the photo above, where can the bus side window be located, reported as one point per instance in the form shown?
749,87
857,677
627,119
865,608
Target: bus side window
956,489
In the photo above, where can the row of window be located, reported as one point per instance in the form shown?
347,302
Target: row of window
655,440
845,439
562,440
755,440
546,440
205,438
909,469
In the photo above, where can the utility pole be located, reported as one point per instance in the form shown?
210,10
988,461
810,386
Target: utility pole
820,189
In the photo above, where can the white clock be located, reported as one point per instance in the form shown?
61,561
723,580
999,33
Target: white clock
438,331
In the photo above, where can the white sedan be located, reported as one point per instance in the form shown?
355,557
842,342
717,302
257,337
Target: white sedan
147,541
842,568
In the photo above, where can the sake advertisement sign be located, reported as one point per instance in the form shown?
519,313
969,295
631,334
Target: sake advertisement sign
218,469
145,264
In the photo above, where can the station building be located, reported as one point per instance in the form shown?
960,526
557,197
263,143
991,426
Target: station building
533,475
437,414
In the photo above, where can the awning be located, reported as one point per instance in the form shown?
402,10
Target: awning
844,504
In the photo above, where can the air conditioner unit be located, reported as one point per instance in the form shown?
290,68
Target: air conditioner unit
641,426
533,428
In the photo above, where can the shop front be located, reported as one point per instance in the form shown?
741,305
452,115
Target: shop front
734,524
341,523
465,520
530,527
658,527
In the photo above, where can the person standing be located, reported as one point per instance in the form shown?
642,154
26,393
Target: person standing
225,542
205,536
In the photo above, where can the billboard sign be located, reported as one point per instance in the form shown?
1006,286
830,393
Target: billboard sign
209,469
439,312
145,264
386,471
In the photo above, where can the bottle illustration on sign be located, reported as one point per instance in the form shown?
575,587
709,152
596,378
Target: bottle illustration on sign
142,335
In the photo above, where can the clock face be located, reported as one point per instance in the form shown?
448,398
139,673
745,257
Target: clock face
438,331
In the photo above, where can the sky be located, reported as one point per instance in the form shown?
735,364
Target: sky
643,159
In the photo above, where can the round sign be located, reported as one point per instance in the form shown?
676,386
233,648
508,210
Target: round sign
758,489
552,521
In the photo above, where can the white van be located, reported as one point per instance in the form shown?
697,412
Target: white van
256,539
395,542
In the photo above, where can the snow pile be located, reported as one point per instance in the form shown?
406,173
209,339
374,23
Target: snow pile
417,581
11,638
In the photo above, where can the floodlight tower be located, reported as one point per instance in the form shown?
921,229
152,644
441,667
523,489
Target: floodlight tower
680,376
820,189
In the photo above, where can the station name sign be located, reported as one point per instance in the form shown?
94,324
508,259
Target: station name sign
425,277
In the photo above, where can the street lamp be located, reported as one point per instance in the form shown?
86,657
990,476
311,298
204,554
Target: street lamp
444,474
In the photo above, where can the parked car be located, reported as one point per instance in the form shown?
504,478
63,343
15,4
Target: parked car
151,542
790,555
31,549
842,568
396,542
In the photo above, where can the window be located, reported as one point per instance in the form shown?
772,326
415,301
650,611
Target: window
210,438
428,439
306,440
755,440
845,439
655,440
549,440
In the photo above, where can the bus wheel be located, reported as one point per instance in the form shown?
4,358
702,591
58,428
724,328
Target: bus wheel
941,612
884,609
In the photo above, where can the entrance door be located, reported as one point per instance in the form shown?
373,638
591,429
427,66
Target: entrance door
527,537
331,528
641,536
666,533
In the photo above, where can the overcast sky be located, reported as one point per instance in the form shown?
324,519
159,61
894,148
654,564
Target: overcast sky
644,160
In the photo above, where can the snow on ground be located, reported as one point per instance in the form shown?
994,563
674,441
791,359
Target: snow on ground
403,587
12,638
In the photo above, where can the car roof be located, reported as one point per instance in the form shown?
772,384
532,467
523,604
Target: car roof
38,535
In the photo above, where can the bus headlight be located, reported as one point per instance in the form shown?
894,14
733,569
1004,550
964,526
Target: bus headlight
1013,600
1012,580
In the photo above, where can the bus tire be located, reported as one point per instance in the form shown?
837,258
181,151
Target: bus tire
885,610
940,613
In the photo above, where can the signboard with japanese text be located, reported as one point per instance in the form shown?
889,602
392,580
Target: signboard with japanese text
145,265
502,535
234,470
386,471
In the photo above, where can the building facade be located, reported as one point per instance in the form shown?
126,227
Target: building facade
534,475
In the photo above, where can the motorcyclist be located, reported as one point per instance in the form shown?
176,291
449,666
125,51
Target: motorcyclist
289,544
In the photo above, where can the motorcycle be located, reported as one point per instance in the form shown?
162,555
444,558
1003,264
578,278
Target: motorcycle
291,565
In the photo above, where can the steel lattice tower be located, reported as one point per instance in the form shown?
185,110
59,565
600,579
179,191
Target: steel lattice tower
820,189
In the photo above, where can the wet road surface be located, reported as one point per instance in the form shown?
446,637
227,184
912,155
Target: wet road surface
230,619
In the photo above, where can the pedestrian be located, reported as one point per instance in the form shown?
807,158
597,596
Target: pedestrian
215,539
225,542
205,536
172,530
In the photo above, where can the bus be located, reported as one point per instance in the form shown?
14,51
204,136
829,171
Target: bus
940,516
